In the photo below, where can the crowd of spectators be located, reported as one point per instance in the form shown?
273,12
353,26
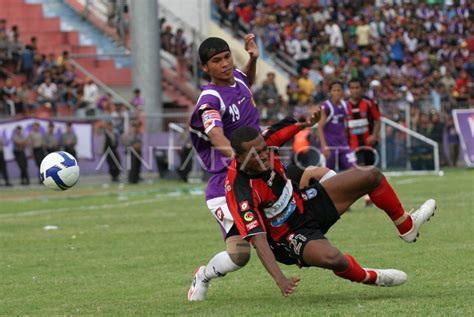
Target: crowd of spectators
418,52
175,43
49,85
415,55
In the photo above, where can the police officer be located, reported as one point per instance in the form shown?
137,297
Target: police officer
19,145
133,142
69,140
3,164
35,140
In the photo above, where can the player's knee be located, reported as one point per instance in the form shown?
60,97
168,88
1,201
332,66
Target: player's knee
238,250
240,258
373,177
313,173
334,260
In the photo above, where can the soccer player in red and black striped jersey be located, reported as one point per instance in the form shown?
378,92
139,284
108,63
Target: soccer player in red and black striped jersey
287,224
363,123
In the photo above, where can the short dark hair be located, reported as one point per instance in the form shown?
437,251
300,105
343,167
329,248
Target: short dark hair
241,135
355,80
211,47
335,82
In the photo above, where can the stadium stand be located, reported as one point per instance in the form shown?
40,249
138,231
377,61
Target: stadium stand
423,52
417,57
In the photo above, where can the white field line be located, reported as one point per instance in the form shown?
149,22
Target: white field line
89,207
406,181
82,195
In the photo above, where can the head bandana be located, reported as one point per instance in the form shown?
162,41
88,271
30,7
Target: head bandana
211,47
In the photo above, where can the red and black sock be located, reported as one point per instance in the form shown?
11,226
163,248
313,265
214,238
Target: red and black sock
356,273
386,199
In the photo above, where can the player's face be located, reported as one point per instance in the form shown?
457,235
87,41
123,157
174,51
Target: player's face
256,158
356,90
336,92
220,67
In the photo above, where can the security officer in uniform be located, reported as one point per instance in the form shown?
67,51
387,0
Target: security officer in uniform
111,143
133,142
19,145
50,140
69,140
3,164
35,140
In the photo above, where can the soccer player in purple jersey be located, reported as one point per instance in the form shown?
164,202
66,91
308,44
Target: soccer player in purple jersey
225,104
332,131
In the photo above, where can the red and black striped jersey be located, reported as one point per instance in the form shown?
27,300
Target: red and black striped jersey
268,202
360,121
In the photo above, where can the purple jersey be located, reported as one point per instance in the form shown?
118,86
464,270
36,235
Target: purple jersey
229,107
335,127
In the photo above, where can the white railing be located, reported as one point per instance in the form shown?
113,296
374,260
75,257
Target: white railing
410,133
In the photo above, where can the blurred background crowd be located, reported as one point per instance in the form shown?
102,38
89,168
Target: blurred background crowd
414,58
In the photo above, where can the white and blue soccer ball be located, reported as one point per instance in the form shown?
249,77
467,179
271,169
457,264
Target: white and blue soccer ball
59,171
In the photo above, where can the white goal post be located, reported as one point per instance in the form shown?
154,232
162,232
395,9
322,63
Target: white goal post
408,170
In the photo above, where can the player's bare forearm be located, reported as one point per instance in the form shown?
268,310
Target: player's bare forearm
220,142
250,70
322,138
251,47
286,285
376,131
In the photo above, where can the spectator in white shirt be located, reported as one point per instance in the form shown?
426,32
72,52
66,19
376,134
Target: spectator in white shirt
377,27
48,93
91,94
300,49
335,35
410,41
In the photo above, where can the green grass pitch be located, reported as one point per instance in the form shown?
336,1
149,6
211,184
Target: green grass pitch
133,251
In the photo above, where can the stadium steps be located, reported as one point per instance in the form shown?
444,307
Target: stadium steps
70,32
178,91
92,32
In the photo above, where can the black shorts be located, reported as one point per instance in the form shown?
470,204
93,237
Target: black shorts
320,215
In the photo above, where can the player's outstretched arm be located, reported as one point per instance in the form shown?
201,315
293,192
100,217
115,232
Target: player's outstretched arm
286,285
251,47
312,119
281,132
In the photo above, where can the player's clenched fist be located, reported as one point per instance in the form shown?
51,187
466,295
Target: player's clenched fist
250,46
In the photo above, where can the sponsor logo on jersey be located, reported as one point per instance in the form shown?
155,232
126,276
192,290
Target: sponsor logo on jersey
310,193
252,225
219,214
281,203
244,205
249,216
281,218
241,100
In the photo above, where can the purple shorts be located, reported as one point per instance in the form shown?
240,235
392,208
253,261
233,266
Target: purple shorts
341,159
